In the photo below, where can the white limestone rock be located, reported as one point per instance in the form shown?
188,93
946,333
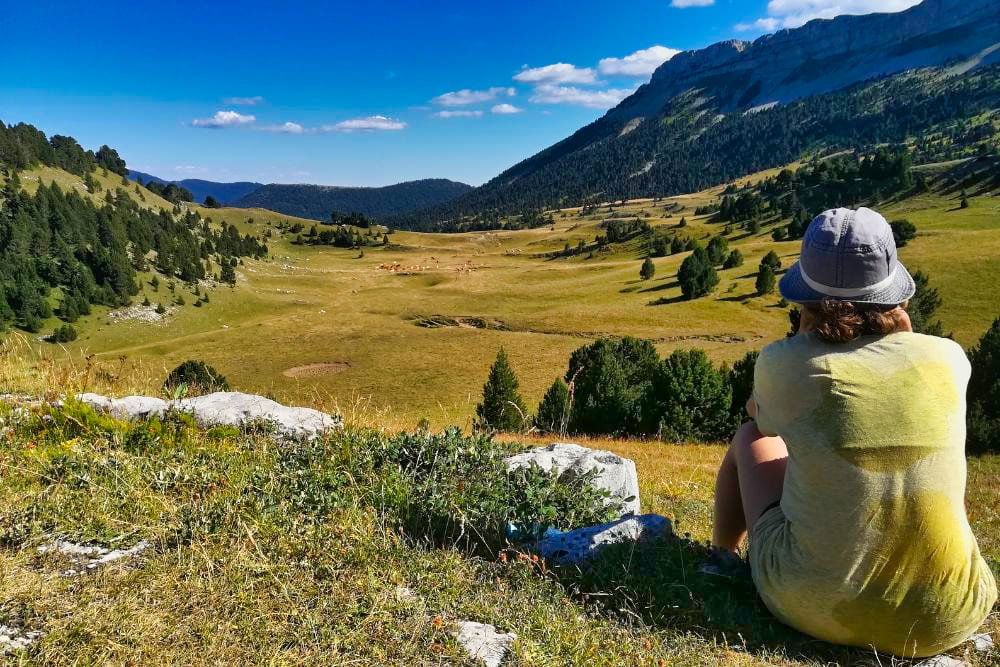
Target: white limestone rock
483,643
130,408
88,557
982,642
942,661
583,544
569,461
223,408
14,639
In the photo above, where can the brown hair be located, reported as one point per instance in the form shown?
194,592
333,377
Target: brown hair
843,321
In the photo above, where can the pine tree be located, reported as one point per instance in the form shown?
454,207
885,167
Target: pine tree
696,275
648,269
553,411
734,260
765,279
502,408
717,250
772,260
984,393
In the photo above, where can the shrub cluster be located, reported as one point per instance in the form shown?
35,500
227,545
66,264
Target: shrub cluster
621,387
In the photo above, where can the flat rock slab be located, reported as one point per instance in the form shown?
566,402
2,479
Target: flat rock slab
982,642
615,473
14,639
88,557
942,661
583,544
483,643
222,408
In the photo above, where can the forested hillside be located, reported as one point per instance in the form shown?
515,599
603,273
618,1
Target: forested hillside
62,252
691,146
319,201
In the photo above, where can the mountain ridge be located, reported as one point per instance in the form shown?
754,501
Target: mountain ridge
623,153
318,201
225,193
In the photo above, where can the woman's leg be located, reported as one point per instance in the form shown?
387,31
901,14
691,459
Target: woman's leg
750,479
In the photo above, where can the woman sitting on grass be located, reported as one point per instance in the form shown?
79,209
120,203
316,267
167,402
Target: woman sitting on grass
851,477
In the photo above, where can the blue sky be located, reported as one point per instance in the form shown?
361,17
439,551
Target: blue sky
345,93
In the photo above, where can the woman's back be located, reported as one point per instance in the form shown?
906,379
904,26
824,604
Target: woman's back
871,545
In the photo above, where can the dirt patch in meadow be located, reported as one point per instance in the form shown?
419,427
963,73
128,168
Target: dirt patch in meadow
313,370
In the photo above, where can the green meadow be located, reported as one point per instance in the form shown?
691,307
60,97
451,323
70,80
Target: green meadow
407,331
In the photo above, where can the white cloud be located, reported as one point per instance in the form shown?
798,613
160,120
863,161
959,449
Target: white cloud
244,101
189,169
505,109
793,13
760,25
684,4
224,119
370,123
640,64
593,99
285,128
459,113
556,73
463,97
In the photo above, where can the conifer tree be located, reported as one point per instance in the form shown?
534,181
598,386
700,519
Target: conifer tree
502,408
984,393
648,269
765,279
553,411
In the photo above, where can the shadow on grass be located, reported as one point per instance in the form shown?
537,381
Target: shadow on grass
741,298
661,584
662,286
664,301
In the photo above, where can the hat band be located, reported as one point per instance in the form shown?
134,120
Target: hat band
847,291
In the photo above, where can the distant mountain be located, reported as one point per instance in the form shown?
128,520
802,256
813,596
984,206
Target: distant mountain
710,115
226,193
318,201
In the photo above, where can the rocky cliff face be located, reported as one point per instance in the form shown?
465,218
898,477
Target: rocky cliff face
822,56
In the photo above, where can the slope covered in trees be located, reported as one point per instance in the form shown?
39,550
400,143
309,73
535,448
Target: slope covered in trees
691,145
319,201
62,252
225,193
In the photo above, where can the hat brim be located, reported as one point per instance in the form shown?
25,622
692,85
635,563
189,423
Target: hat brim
794,288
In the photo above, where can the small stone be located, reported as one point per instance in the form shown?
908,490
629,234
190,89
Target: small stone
982,642
483,643
941,661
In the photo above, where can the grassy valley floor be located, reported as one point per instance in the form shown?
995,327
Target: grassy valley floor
407,331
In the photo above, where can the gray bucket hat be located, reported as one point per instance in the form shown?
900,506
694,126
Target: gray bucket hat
848,256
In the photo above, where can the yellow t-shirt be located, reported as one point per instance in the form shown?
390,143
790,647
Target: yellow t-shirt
871,545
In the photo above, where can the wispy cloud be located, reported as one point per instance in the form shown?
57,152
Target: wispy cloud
465,96
684,4
189,169
459,113
638,64
556,73
243,101
592,99
224,119
367,124
793,13
285,128
505,109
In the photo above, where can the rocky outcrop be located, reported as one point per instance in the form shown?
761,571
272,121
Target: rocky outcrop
583,544
822,56
224,408
569,461
482,643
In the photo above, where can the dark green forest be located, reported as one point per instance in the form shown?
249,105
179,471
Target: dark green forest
689,147
61,254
